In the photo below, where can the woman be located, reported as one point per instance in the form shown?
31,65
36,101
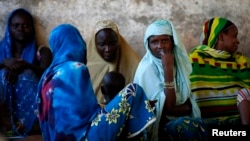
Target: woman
219,73
108,51
164,75
21,65
67,106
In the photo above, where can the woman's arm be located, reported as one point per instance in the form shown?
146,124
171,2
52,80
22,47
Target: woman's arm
16,66
170,107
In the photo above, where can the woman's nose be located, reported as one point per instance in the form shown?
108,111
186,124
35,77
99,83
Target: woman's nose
107,48
160,45
20,27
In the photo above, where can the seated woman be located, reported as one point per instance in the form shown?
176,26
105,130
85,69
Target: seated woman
21,66
219,73
164,75
108,51
67,106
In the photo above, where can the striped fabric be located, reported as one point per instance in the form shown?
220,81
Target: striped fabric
244,94
217,76
215,83
212,28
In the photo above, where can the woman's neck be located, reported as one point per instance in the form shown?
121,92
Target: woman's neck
18,48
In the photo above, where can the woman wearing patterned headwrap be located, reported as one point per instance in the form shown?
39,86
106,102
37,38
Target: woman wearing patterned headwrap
164,75
109,51
219,73
67,106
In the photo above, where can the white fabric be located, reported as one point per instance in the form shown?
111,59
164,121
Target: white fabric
150,75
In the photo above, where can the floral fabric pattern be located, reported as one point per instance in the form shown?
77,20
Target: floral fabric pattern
121,109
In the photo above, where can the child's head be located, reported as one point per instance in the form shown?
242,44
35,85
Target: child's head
113,82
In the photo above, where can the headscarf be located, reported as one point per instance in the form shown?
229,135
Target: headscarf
29,51
211,30
150,73
65,48
22,92
69,95
217,75
125,63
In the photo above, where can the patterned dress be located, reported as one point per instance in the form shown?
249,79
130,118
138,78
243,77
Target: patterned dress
18,98
67,106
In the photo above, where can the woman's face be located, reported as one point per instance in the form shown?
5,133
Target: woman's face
106,41
20,28
160,43
230,40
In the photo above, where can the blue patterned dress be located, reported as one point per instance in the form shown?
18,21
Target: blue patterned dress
67,106
19,97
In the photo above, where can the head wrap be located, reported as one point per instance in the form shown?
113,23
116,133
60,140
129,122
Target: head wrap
150,73
165,27
29,51
212,28
70,47
65,83
126,59
106,24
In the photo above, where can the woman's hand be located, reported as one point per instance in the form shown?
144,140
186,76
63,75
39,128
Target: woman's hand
167,58
8,62
11,76
14,68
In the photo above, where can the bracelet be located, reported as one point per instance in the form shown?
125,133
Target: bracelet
169,85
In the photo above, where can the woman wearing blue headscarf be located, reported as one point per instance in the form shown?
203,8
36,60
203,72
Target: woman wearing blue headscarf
21,65
67,106
164,75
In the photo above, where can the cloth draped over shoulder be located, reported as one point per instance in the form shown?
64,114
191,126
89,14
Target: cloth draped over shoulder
29,51
64,101
67,106
125,63
150,75
20,97
217,75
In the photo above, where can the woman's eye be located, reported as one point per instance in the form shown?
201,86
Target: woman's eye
22,25
154,42
165,40
100,43
112,42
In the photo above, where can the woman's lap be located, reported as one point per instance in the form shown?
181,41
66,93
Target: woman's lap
21,96
127,113
186,129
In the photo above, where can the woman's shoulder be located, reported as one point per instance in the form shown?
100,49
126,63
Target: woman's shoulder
145,67
145,63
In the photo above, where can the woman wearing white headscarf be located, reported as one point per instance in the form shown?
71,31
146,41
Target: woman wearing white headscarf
164,75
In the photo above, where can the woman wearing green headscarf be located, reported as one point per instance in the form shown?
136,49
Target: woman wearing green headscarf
219,72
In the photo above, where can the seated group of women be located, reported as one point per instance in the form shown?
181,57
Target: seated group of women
168,93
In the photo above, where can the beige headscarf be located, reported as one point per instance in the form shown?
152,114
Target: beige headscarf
125,63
